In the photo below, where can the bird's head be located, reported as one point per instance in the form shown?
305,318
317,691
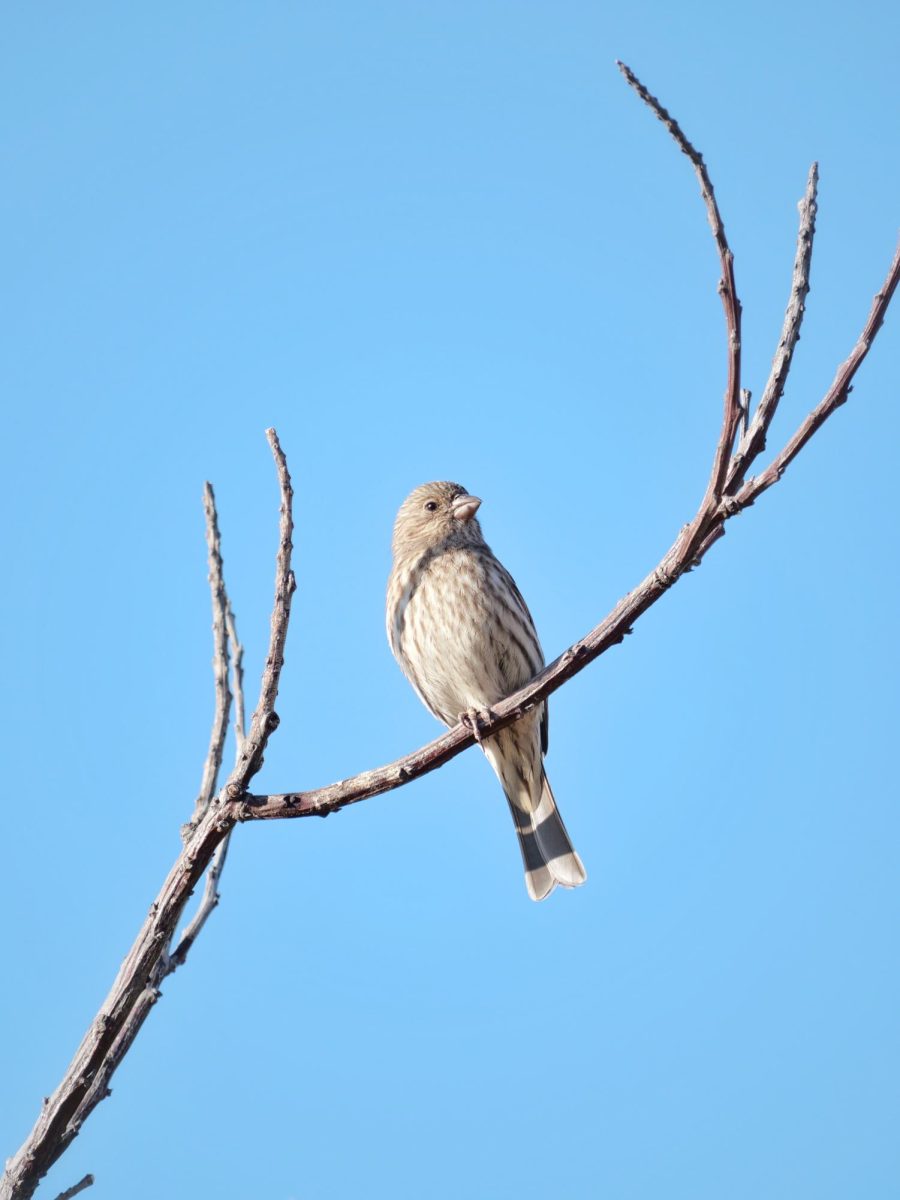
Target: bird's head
433,515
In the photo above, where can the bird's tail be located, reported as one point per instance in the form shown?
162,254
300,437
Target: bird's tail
547,851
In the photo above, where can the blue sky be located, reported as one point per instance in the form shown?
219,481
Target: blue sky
428,241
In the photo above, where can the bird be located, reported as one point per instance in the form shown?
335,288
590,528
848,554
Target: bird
463,636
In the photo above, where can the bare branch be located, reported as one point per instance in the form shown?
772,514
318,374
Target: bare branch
237,675
213,762
834,397
209,902
692,543
265,719
80,1186
727,290
99,1089
753,440
133,993
135,989
612,630
211,896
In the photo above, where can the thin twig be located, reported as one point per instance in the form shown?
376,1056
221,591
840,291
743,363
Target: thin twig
727,289
130,999
80,1186
753,440
213,763
237,675
833,398
265,720
222,606
209,902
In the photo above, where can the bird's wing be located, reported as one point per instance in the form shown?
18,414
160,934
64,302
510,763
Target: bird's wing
526,613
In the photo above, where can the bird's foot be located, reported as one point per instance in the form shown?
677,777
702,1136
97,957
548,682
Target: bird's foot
475,719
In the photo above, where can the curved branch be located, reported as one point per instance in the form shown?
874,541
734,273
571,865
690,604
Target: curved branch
731,305
265,720
706,528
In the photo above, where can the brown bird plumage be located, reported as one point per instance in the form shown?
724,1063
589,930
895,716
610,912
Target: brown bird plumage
464,637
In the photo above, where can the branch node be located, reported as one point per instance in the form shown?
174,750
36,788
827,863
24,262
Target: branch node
664,579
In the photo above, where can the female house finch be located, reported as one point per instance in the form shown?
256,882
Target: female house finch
464,637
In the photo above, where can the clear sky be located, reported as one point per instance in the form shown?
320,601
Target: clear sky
444,240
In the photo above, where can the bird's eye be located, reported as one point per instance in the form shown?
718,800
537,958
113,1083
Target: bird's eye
431,505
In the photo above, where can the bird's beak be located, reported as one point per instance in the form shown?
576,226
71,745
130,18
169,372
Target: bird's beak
465,507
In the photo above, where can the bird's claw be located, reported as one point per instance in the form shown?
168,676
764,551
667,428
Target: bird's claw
474,719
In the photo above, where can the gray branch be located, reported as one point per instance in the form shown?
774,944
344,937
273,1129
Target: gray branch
753,439
223,624
731,305
220,607
835,396
133,993
86,1182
